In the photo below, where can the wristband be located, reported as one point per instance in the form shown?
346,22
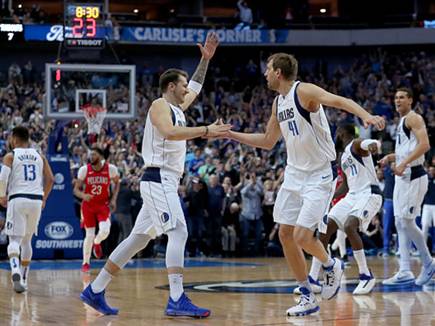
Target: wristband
206,130
367,142
194,86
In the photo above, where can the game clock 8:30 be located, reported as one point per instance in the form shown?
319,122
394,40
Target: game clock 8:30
87,12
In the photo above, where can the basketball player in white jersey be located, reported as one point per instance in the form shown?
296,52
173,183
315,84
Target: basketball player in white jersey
411,183
163,151
362,202
309,181
26,178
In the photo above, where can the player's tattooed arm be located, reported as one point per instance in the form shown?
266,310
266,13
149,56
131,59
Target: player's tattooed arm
196,82
207,51
201,71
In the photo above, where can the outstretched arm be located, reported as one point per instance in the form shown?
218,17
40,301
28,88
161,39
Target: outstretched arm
160,115
266,140
318,96
198,77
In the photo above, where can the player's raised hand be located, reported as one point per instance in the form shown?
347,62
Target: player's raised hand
374,120
210,45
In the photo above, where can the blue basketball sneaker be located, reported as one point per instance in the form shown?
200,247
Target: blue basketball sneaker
307,304
185,307
97,301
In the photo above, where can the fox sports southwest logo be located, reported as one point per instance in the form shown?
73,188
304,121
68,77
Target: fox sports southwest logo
58,230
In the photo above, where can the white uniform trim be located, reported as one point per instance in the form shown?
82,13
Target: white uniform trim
307,134
409,191
26,173
359,170
157,151
22,216
406,142
161,207
360,201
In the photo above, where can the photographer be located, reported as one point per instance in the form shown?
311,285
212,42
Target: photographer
252,212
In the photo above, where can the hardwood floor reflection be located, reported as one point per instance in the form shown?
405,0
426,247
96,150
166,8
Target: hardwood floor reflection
254,292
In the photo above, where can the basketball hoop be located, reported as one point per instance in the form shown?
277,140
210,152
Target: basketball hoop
94,116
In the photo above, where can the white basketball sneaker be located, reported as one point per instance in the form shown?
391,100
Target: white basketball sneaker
366,284
307,305
426,274
400,278
316,287
332,278
16,281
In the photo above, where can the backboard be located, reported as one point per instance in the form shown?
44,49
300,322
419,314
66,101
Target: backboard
70,87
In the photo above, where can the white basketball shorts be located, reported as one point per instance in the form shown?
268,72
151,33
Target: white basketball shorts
408,195
304,197
22,216
363,205
428,215
161,208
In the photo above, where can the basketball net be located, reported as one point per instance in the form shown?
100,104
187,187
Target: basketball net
94,116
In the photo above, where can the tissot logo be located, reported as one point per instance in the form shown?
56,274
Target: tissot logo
283,286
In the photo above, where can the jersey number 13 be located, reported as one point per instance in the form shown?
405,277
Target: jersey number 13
29,172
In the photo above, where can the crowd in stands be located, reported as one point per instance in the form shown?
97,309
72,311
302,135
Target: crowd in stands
228,190
23,15
238,15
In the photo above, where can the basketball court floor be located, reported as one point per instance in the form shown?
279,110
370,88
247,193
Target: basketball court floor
239,292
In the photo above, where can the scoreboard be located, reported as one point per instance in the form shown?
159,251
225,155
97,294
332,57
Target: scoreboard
11,33
84,25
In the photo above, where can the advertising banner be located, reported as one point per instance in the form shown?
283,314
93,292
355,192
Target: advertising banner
163,35
59,234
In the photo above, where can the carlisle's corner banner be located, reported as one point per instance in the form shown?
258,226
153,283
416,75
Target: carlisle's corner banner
59,234
159,35
228,37
193,35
